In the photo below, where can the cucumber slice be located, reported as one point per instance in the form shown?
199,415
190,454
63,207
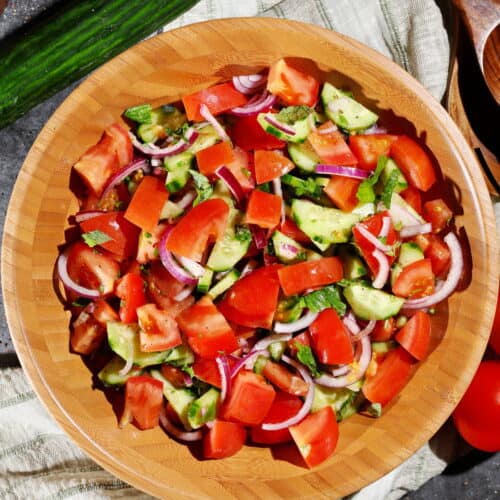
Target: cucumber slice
110,374
178,170
303,155
224,284
369,303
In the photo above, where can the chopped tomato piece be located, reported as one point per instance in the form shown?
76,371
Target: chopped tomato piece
331,341
415,336
415,280
223,439
213,157
369,147
203,223
174,375
270,165
263,209
240,168
438,214
250,399
342,191
159,331
252,300
303,338
218,99
331,147
316,436
207,331
413,197
143,401
414,162
206,369
247,134
130,289
292,230
283,379
147,249
437,251
121,144
383,330
291,84
87,334
284,407
391,376
102,312
146,205
299,277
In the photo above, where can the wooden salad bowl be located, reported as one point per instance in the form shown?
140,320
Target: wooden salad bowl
161,70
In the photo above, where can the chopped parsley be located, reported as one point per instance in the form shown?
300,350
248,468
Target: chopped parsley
324,298
389,187
366,191
306,357
202,186
302,187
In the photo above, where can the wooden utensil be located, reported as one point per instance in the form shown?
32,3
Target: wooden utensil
161,70
482,18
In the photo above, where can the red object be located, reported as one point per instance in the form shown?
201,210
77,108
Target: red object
240,168
291,84
263,209
437,251
414,162
148,244
147,203
331,147
206,369
159,330
223,439
102,312
299,277
174,375
283,379
252,300
163,287
477,416
413,197
247,134
143,401
342,191
92,269
284,407
86,334
218,99
130,291
121,144
369,147
383,330
290,229
415,336
123,234
207,331
203,223
330,339
302,338
213,157
415,280
270,165
438,214
495,332
391,376
250,399
316,436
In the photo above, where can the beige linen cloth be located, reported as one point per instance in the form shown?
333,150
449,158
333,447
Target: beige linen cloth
37,459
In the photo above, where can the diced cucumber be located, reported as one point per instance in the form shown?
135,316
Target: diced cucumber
259,364
383,347
203,409
336,397
140,114
353,267
303,155
400,217
409,253
302,128
364,210
170,211
390,167
284,248
207,136
110,374
369,303
178,170
395,272
150,132
181,355
224,284
160,120
205,281
277,349
222,191
289,309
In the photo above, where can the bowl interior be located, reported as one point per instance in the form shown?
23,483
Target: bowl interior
161,70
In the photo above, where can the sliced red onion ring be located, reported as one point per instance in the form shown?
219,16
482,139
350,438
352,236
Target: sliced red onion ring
341,370
356,373
155,152
231,182
259,236
354,173
177,433
225,376
451,282
248,361
88,214
188,380
117,178
350,322
155,162
278,191
186,200
295,326
386,226
248,84
399,215
373,239
328,130
409,231
249,267
184,293
171,265
192,266
306,407
205,112
73,286
262,103
129,362
280,126
365,331
270,339
383,269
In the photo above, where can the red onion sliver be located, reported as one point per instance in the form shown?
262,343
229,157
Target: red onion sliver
328,130
383,269
386,226
231,182
205,112
295,326
225,376
129,362
248,361
248,84
280,126
372,239
88,214
306,407
341,370
451,282
184,293
249,267
186,200
171,265
350,322
155,152
365,331
177,433
73,286
117,178
259,236
289,251
278,191
409,231
267,341
400,216
354,173
192,266
262,103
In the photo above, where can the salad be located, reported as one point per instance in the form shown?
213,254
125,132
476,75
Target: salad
257,262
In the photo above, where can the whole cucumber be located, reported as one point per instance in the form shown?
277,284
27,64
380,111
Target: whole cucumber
68,41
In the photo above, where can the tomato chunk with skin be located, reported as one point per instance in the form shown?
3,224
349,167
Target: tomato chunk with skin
264,209
240,168
369,147
437,251
203,223
174,375
253,299
343,192
413,197
316,436
415,336
206,369
330,339
217,99
303,338
391,376
223,439
247,134
415,280
143,401
331,147
250,399
291,229
438,214
87,334
299,277
414,162
270,165
159,330
383,330
120,143
130,291
213,157
207,331
283,379
284,407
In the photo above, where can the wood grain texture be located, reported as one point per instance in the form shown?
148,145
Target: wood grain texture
160,70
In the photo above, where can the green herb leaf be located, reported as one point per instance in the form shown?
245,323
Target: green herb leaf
303,187
324,298
293,114
243,234
202,185
366,193
140,114
265,187
389,187
306,357
80,302
93,238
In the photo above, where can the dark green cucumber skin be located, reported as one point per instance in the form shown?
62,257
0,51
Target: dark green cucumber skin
68,41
